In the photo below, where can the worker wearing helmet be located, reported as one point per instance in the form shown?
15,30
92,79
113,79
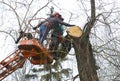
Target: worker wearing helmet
57,34
55,21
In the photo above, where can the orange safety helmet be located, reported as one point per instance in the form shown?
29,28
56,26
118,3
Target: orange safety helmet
56,14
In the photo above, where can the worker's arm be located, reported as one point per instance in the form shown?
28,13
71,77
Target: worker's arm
38,25
64,23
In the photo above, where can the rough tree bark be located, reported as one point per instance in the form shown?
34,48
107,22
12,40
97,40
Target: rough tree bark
84,54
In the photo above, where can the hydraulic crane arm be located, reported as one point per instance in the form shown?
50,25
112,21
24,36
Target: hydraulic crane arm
11,64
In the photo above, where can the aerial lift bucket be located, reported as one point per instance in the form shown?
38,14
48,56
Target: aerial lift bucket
35,51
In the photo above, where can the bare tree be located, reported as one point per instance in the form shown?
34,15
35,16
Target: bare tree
83,49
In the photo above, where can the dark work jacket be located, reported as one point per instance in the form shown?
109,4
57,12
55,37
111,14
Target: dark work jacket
56,24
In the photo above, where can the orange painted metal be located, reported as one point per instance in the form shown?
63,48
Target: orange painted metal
30,49
35,52
11,64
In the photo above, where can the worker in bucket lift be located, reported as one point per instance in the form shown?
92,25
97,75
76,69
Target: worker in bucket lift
53,22
56,39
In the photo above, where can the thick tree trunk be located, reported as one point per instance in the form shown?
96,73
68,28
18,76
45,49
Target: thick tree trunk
84,54
85,60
